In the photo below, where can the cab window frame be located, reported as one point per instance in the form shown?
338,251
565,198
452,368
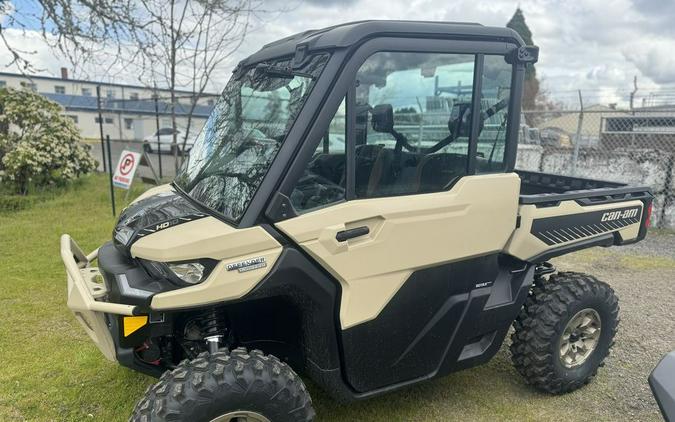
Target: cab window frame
344,76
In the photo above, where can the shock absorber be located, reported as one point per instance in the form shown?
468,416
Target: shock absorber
214,326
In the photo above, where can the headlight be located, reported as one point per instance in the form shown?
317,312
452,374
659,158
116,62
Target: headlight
189,272
182,274
124,234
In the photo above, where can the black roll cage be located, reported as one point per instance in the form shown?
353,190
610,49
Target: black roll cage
271,201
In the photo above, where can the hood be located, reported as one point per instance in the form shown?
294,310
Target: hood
152,214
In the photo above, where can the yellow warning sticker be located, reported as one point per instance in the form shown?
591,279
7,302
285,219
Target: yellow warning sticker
134,323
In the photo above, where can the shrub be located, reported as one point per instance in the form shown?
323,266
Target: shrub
38,145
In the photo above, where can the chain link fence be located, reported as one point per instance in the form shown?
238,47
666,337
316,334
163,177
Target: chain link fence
634,147
142,122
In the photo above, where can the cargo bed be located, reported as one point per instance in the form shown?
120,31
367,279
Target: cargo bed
561,214
544,188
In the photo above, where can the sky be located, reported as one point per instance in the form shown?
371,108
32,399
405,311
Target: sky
596,46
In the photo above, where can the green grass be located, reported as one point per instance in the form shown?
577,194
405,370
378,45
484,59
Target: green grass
50,371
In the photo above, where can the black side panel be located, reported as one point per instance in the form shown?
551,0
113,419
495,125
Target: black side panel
560,229
409,337
312,294
443,319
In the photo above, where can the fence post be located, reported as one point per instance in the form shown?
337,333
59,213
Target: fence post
159,151
100,124
577,139
112,191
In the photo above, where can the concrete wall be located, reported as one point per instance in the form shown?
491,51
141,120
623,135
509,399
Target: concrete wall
652,168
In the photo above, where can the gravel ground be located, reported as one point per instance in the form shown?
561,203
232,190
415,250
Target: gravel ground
643,276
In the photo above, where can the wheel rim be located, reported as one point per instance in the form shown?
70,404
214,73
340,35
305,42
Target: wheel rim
241,416
580,338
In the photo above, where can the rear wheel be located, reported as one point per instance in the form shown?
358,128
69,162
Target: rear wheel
565,331
223,387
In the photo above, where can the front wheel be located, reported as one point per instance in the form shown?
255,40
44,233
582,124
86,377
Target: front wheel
223,387
565,331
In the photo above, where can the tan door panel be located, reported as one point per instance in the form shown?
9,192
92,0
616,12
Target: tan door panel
406,233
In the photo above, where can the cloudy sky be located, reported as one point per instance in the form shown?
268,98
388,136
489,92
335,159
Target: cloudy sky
597,46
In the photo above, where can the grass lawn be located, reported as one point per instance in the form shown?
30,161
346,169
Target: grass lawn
51,371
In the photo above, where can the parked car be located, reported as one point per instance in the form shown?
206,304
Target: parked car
555,137
166,140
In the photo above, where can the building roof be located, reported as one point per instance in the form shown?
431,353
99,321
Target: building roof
84,81
84,103
348,34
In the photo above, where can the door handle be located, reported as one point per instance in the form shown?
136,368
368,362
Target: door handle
345,235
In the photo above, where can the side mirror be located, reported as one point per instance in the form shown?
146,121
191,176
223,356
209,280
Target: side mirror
383,118
662,383
459,124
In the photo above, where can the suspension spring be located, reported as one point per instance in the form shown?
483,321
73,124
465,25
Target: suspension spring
213,326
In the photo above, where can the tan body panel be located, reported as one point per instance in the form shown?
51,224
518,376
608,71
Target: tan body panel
476,217
206,237
209,238
525,245
154,191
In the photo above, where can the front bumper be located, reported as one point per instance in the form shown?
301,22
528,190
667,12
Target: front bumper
86,292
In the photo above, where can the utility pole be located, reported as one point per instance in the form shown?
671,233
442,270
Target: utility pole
100,125
577,139
632,94
159,151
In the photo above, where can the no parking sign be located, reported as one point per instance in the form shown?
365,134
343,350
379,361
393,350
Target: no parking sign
126,168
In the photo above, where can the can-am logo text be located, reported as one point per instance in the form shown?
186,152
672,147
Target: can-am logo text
617,215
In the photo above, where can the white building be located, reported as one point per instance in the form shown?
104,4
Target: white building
128,111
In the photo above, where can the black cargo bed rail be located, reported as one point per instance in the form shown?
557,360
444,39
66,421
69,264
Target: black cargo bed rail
583,191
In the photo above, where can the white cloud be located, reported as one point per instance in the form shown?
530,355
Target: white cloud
593,45
654,59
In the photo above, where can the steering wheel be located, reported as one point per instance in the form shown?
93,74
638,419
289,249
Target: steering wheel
316,190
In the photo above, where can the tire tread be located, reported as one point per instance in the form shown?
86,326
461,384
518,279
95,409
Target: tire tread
535,327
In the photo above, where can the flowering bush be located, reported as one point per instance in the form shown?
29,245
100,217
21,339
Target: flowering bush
38,145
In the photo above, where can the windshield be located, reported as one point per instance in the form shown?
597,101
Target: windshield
242,136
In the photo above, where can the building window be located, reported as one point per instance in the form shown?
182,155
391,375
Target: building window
3,84
86,92
129,123
29,85
60,89
110,93
166,123
107,120
210,102
73,118
133,96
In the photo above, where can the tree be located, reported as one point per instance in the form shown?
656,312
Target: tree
184,42
531,84
38,145
176,44
78,29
